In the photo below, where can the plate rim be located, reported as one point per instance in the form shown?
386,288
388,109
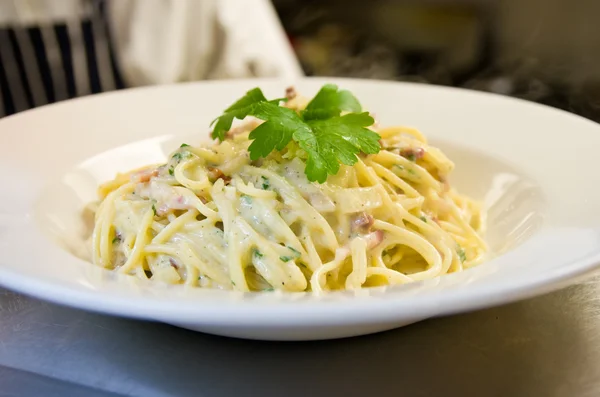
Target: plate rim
457,301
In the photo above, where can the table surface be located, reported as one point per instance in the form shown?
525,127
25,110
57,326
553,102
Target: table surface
547,346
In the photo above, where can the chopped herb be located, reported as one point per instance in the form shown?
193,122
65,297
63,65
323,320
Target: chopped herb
257,253
461,254
171,171
411,156
268,289
247,200
295,251
400,167
117,239
286,258
233,282
181,155
411,171
423,219
154,209
184,145
327,137
265,182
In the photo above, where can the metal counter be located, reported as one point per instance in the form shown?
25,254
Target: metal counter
547,346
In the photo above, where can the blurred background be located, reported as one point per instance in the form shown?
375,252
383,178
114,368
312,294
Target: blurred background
547,51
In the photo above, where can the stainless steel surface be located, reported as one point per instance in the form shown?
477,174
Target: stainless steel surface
548,346
15,383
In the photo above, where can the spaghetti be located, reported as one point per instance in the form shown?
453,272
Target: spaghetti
211,217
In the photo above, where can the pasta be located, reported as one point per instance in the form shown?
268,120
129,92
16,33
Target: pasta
211,217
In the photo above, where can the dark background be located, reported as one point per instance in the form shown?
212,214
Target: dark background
546,51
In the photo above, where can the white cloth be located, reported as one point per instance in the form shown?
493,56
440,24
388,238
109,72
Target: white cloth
166,41
163,41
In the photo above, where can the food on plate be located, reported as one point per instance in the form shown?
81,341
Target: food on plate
294,195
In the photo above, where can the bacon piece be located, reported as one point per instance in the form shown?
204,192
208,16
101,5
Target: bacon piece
144,175
413,154
374,238
290,93
215,173
362,222
173,263
176,203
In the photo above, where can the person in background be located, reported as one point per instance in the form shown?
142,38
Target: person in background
55,50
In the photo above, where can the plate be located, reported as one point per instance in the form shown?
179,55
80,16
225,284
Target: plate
535,168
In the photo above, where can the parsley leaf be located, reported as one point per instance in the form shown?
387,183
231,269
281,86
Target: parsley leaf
238,110
243,107
330,102
276,132
337,139
320,130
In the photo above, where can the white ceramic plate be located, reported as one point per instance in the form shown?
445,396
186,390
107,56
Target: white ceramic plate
535,167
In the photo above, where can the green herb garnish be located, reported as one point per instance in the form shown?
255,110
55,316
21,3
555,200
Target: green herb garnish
257,253
178,156
154,208
268,289
423,219
117,239
184,145
461,254
320,130
295,251
171,171
286,258
233,282
266,184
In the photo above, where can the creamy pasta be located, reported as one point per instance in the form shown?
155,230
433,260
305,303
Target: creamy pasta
213,218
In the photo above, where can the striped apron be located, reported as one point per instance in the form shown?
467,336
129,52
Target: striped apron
49,63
